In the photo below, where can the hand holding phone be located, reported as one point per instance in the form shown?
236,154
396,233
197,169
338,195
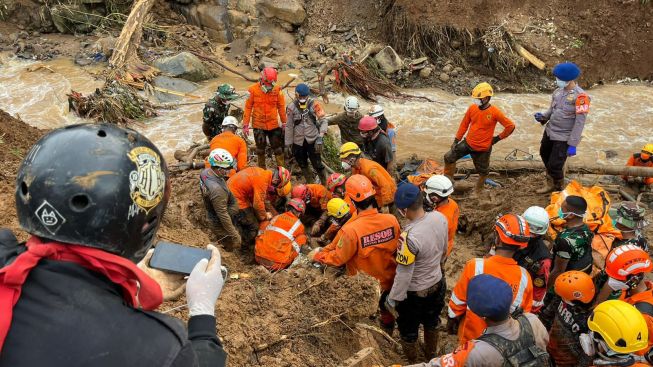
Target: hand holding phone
205,284
172,284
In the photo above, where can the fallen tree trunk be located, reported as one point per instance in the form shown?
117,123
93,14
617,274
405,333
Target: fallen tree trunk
130,37
596,169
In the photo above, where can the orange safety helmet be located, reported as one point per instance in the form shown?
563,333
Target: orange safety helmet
513,229
297,205
334,180
281,176
359,188
301,192
647,152
575,285
627,260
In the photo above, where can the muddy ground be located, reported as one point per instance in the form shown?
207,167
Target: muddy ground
300,317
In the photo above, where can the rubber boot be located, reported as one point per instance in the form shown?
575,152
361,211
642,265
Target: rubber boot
449,170
410,351
322,176
280,159
430,344
308,175
261,160
547,188
558,185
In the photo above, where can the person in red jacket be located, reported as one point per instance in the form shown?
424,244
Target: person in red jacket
477,129
263,109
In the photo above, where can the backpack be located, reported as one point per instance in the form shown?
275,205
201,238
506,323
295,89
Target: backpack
522,352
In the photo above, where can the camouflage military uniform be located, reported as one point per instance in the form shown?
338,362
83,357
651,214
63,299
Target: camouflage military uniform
575,245
213,114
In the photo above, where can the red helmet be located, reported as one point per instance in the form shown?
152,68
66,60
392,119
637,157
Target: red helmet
297,205
367,123
512,229
300,192
627,260
334,180
280,177
269,76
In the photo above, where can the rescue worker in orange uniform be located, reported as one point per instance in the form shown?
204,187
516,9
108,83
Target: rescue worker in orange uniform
477,128
384,185
437,191
508,340
263,109
315,197
339,214
368,243
232,143
282,238
512,233
576,290
641,159
250,188
627,266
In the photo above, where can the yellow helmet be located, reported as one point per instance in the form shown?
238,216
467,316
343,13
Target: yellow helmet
648,148
621,326
337,208
482,90
284,191
348,149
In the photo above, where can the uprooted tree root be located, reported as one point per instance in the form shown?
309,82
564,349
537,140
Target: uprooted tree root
493,44
114,103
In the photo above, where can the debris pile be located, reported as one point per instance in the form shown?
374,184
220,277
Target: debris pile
115,103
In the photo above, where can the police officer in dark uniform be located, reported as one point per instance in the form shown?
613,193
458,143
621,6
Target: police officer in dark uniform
92,197
216,109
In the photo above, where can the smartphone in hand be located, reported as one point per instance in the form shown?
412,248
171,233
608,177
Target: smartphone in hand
175,258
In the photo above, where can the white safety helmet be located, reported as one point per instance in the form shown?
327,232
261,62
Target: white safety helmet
538,219
351,104
376,111
439,185
230,121
221,158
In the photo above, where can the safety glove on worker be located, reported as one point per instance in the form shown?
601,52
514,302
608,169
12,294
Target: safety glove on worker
205,284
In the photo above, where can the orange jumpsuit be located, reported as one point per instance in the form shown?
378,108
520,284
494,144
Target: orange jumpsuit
471,326
233,144
383,183
280,243
481,124
366,243
320,196
250,187
646,300
262,109
451,211
636,161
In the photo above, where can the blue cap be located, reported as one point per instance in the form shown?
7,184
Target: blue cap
566,71
490,297
406,195
302,90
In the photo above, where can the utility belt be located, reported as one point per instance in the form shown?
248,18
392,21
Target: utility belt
428,291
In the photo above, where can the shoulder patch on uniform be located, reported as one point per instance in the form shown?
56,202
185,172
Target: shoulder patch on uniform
582,104
404,255
538,282
339,243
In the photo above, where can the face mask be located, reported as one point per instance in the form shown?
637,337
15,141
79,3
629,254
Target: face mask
617,285
587,344
561,83
267,87
478,102
402,212
561,215
345,165
350,113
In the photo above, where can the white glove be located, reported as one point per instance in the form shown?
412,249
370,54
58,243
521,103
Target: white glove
204,285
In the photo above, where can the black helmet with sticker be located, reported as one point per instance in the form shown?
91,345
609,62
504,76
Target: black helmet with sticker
96,185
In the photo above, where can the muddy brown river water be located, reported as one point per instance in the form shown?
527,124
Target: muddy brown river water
621,116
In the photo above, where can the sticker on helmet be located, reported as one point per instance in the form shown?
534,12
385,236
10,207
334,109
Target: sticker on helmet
51,219
147,182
